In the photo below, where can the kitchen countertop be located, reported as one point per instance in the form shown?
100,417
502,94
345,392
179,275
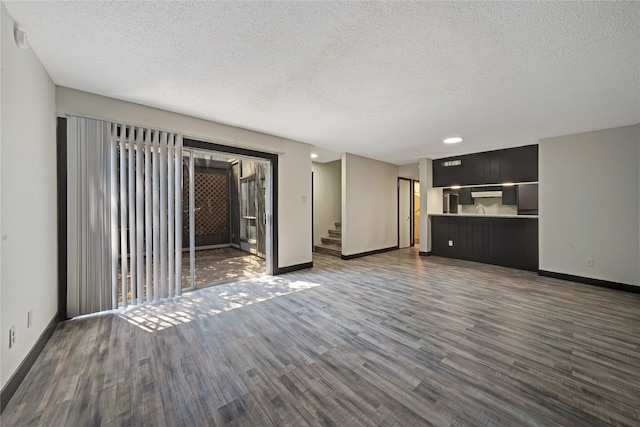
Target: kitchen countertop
486,215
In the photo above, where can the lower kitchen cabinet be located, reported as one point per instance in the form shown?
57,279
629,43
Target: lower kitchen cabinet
510,242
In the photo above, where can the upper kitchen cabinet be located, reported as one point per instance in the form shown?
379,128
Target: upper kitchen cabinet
507,166
451,172
525,160
483,168
492,167
464,196
479,166
510,195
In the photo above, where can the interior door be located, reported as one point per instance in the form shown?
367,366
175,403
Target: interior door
404,213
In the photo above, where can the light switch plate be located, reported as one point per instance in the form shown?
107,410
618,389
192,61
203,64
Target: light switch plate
12,336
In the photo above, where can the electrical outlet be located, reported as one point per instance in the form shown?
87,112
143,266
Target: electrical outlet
12,336
590,262
29,318
450,242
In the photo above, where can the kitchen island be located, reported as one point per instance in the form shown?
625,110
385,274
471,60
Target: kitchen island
507,240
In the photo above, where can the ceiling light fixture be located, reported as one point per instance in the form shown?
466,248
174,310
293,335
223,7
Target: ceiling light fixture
314,156
452,140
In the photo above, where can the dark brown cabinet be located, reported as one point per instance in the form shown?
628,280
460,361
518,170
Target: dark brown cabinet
510,195
525,163
518,164
510,242
528,199
464,196
452,175
480,168
507,166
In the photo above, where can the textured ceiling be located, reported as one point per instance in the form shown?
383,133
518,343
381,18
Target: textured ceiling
383,80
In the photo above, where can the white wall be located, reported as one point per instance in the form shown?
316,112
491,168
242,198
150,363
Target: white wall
294,204
410,171
590,204
294,162
29,273
369,205
327,198
430,203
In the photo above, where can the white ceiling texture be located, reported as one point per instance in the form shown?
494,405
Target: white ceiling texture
383,80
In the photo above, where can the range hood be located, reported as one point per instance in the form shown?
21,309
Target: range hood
477,194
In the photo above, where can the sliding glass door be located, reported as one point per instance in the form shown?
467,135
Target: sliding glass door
227,205
143,212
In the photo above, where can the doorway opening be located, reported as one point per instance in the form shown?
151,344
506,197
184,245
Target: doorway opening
416,213
326,210
227,231
405,213
408,212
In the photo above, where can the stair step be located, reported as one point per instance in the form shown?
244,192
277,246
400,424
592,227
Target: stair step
335,233
338,226
334,241
328,250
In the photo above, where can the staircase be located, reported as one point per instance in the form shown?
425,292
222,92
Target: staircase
332,244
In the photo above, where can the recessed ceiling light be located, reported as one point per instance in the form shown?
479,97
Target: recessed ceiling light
314,156
452,140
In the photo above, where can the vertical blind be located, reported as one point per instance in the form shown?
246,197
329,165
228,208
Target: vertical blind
124,220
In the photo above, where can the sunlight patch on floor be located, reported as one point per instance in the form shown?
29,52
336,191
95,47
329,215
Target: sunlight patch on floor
211,301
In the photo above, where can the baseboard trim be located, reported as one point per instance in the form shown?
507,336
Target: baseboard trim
424,253
361,254
16,379
289,269
590,281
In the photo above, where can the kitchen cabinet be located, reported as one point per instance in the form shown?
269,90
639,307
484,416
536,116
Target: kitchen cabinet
481,169
525,163
507,166
464,197
439,231
446,174
510,195
450,171
518,164
510,242
494,169
528,199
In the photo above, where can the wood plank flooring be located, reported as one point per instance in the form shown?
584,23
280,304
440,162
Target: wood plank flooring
388,340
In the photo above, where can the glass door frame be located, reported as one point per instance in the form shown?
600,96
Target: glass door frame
268,217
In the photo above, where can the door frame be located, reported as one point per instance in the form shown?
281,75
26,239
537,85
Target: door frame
411,213
313,246
415,209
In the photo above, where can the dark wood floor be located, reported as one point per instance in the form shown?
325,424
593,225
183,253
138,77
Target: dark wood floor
391,339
